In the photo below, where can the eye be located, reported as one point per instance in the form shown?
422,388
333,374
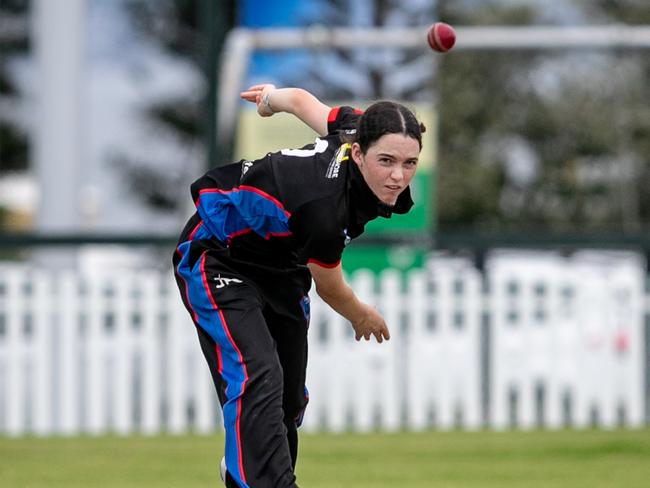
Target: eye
411,164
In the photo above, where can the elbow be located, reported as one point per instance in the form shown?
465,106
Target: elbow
326,294
323,293
333,294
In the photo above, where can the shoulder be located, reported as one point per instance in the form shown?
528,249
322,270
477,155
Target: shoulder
342,118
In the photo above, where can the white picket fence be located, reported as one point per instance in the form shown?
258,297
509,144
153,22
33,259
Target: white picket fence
538,341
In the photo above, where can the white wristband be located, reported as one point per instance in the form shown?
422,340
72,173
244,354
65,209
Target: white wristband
265,102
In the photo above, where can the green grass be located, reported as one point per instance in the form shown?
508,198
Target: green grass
593,459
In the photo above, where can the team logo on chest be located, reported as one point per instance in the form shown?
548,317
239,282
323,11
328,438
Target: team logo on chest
245,166
335,164
347,239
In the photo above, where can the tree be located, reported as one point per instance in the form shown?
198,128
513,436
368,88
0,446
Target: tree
540,140
179,27
367,73
14,43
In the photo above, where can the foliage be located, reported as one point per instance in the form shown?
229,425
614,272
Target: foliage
366,73
543,140
13,140
13,148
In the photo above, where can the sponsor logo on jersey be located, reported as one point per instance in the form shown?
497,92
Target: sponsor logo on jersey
245,166
347,239
335,164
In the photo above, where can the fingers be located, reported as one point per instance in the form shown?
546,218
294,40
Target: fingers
386,333
249,95
378,329
365,335
255,91
380,335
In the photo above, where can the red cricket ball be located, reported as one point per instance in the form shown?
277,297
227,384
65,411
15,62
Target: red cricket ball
441,37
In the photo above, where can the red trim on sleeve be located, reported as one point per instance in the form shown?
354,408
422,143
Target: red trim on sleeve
333,114
323,265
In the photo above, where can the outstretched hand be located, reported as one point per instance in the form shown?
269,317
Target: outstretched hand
255,95
372,323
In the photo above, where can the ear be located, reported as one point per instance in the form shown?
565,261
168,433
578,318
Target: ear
356,153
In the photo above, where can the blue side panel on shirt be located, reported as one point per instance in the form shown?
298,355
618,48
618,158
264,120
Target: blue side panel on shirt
236,211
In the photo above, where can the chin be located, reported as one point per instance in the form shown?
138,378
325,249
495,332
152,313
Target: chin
388,201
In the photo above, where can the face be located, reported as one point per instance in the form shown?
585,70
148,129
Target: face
389,165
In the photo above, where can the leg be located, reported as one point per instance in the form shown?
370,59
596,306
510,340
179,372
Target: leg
248,376
288,327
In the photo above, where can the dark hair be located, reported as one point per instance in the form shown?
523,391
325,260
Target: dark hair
383,118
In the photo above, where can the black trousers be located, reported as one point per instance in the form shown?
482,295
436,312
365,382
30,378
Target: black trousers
253,333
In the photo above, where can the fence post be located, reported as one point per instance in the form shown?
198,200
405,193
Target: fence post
175,358
95,355
417,389
15,339
42,337
68,367
123,353
150,352
385,355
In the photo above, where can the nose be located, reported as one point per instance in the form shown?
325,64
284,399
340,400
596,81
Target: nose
397,174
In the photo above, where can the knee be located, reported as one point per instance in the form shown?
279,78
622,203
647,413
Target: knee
294,408
267,382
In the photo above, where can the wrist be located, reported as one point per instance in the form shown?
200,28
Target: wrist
266,102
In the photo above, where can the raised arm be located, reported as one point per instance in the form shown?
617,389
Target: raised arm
333,289
296,101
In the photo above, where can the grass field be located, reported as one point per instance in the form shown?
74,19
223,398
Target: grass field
593,459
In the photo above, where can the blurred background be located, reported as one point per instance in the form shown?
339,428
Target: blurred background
517,289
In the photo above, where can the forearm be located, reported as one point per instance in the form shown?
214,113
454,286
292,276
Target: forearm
344,302
283,99
300,103
333,289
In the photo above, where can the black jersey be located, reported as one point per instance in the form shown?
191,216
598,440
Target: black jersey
291,207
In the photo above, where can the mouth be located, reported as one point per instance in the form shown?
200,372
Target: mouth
391,193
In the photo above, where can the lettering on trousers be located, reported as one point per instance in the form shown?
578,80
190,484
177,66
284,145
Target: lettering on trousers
221,282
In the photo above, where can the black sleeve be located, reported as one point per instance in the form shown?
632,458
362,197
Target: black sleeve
320,238
342,118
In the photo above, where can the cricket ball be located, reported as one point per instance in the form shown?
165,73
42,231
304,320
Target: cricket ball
441,37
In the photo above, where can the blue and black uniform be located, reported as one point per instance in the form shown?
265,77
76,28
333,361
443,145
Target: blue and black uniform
241,269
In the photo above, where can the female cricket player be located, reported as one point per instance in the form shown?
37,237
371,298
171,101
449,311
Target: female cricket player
262,230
